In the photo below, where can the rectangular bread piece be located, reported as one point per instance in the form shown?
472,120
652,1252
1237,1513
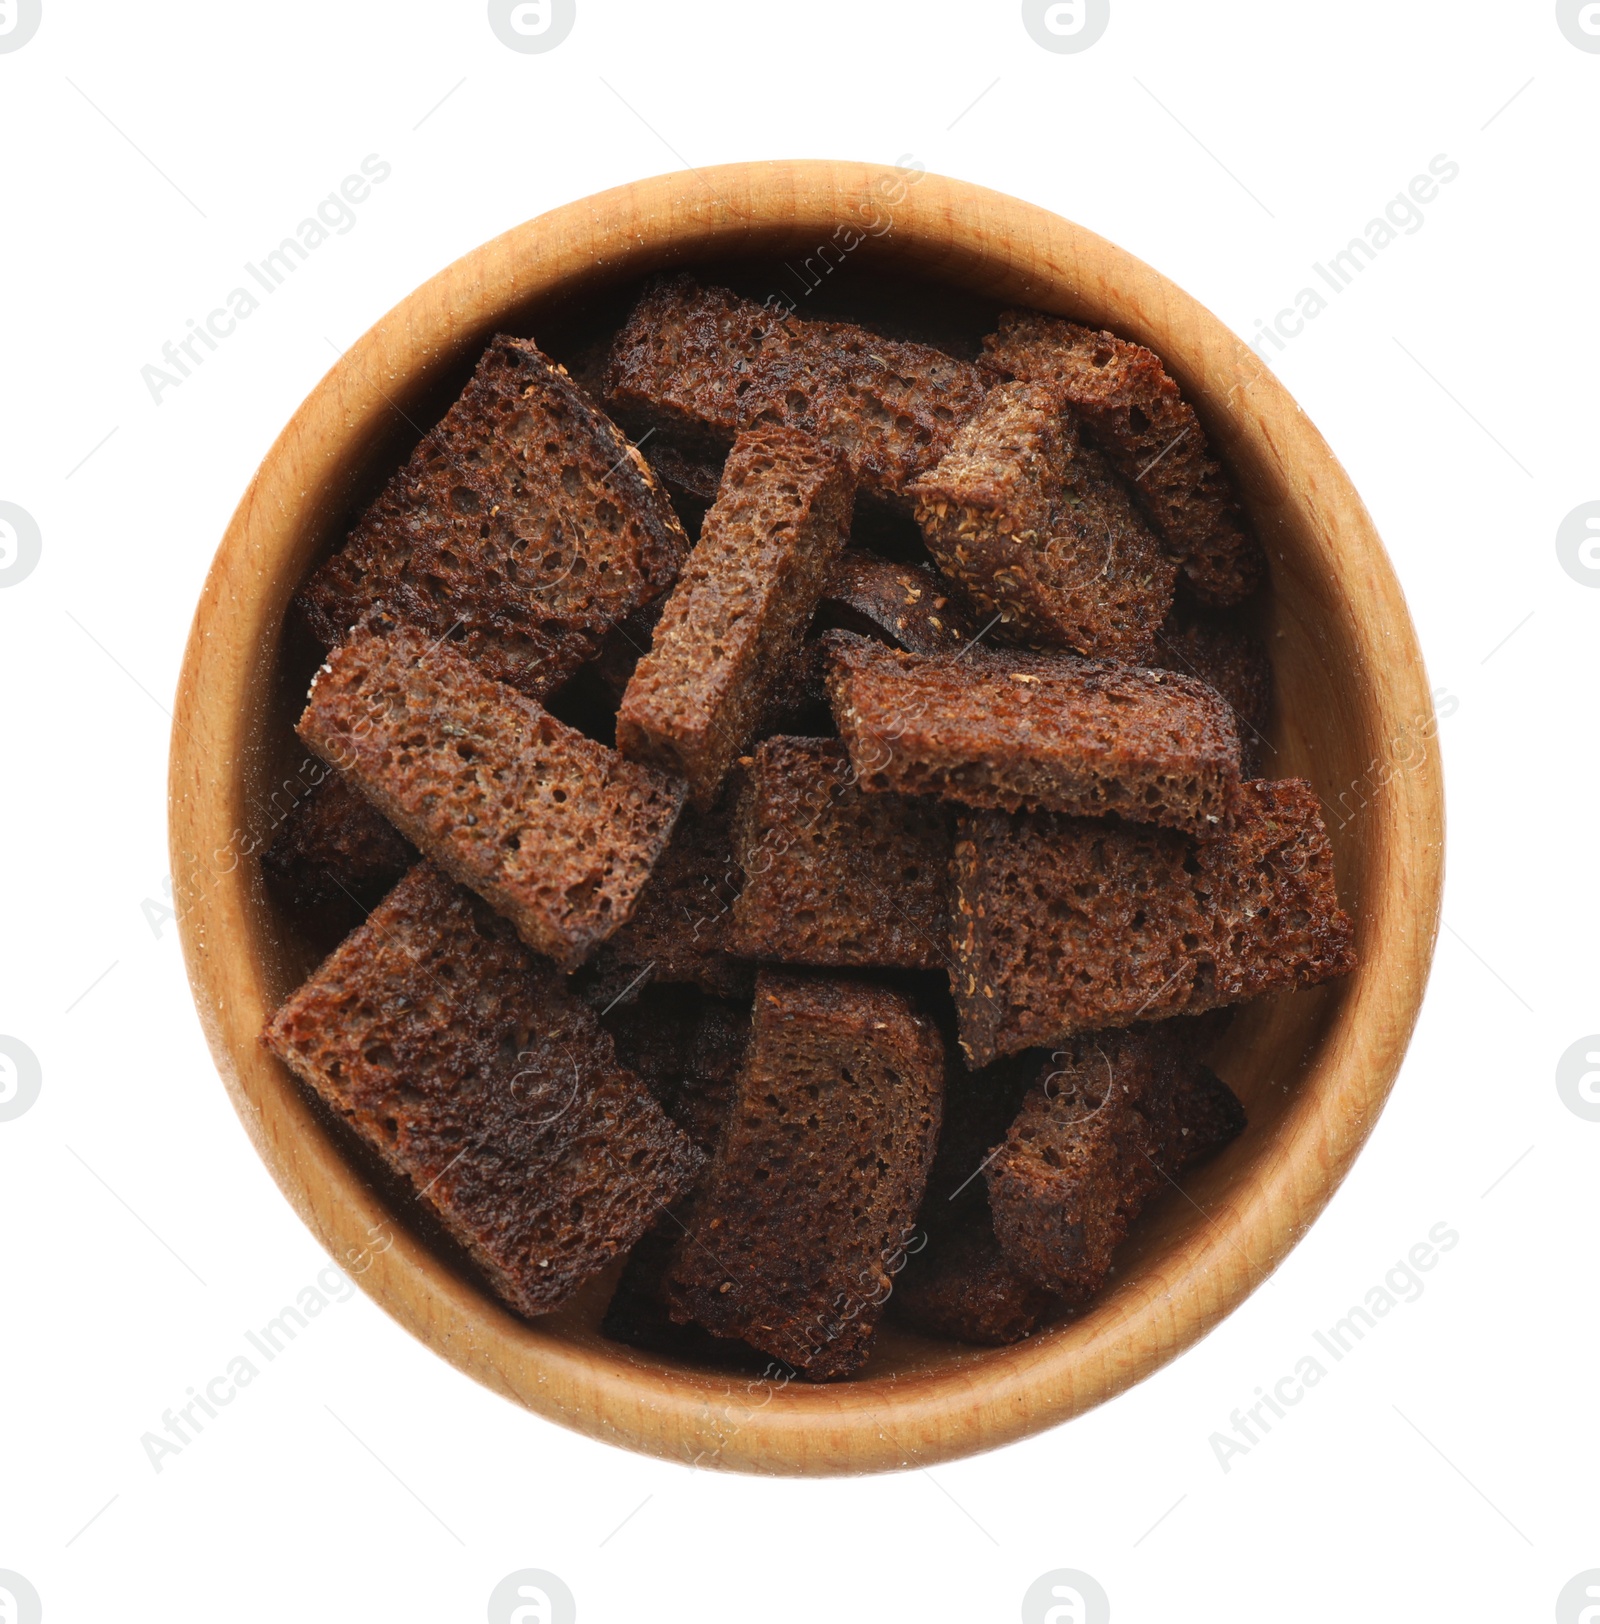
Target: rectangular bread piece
1013,730
1136,415
459,1056
799,1225
679,929
740,610
558,832
833,876
1065,925
521,529
1117,1118
1033,525
697,361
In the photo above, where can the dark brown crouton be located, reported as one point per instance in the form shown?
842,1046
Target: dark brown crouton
741,608
1117,1115
1221,651
558,832
336,851
1036,529
696,361
653,1033
830,1138
1136,415
1035,730
904,604
521,529
1064,925
688,475
833,876
459,1055
679,927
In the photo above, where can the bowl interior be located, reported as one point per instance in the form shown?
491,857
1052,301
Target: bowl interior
1289,1059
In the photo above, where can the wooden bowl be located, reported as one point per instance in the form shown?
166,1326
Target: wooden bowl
1354,716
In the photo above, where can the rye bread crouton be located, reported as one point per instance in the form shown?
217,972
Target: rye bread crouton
698,362
1035,528
555,830
830,1137
1136,415
1064,925
460,1057
520,530
835,877
1012,730
740,610
1116,1117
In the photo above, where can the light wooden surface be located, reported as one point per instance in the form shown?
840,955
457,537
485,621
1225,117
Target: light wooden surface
1355,717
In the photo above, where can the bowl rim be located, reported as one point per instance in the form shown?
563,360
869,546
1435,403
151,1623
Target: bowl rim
988,241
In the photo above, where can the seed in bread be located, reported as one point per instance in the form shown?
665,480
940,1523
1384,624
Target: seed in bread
740,609
1009,729
460,1057
1034,526
1064,925
521,529
1136,415
830,1138
556,831
702,362
1115,1117
835,877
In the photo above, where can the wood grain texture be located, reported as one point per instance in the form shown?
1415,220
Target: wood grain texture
1355,717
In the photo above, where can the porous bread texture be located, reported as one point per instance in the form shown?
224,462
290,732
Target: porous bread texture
1219,649
1010,729
555,830
1034,527
1135,413
1117,1115
702,362
521,529
829,1138
740,609
459,1056
835,877
1064,925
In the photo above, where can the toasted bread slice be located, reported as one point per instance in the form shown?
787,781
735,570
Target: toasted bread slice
555,830
1116,1118
829,1139
459,1056
521,529
1066,925
835,877
904,604
1220,650
702,362
1008,729
1033,525
336,851
1137,416
739,613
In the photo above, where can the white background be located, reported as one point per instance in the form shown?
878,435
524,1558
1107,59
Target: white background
1447,1468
